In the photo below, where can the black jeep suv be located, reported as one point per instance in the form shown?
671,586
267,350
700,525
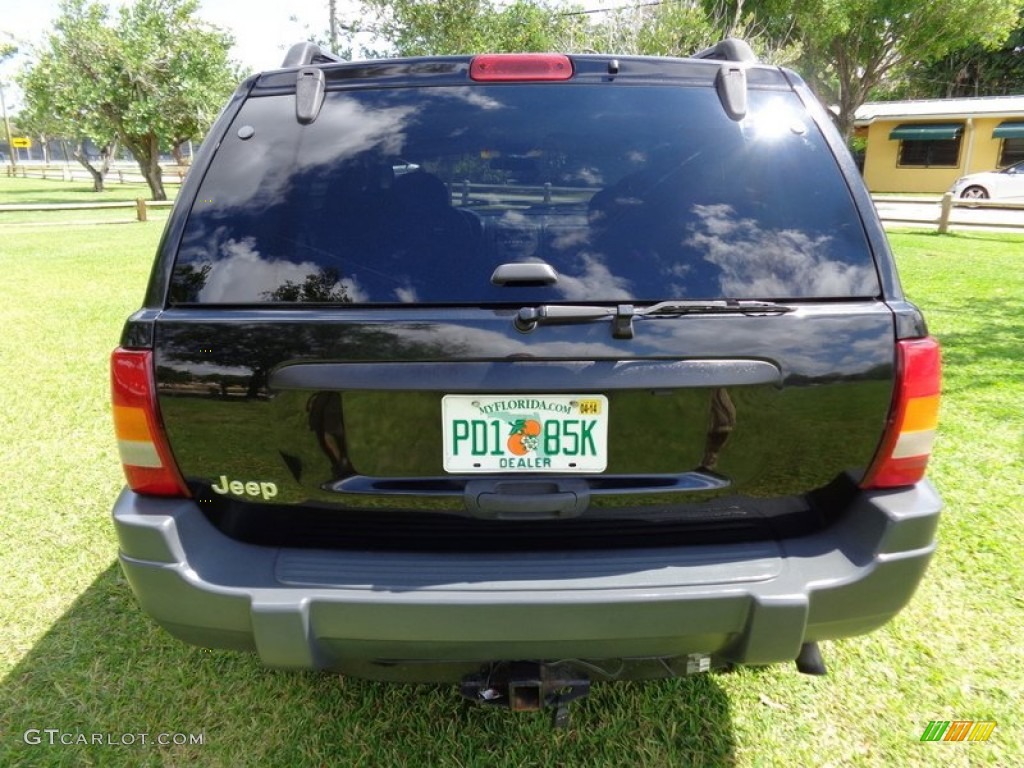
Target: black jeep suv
522,371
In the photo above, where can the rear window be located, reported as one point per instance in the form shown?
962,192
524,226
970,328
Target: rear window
629,192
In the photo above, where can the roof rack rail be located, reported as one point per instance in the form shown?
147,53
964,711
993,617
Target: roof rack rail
304,54
730,49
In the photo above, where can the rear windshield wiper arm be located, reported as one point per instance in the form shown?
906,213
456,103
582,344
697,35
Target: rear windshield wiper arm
622,315
723,306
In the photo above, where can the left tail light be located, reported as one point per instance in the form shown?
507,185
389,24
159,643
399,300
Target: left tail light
145,453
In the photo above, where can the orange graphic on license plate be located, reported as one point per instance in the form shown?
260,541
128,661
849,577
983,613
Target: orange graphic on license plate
524,436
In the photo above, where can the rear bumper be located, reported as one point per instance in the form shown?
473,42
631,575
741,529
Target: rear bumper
420,616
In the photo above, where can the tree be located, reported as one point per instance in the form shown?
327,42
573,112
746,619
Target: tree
849,47
683,27
665,29
338,28
38,127
973,70
440,27
152,79
45,115
324,285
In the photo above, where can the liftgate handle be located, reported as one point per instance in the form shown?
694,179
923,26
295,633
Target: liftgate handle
527,499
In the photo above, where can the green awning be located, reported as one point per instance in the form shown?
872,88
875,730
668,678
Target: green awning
1009,130
927,131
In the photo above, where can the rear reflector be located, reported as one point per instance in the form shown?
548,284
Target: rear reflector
513,67
145,454
913,418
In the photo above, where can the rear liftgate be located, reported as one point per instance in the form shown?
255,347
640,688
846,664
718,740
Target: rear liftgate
528,686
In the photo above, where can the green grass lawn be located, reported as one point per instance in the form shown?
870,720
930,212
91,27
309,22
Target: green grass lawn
78,655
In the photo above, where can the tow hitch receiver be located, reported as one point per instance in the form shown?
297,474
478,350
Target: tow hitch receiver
527,686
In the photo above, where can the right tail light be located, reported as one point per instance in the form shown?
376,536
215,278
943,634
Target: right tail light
907,444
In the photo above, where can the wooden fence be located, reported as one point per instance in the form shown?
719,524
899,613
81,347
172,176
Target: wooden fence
172,174
946,208
140,206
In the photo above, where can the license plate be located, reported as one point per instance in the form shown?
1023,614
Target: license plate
525,433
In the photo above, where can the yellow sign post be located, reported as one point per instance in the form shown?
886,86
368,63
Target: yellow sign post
21,142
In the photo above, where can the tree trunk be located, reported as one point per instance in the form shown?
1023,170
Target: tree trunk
80,156
844,120
106,154
97,177
147,154
155,175
855,82
155,180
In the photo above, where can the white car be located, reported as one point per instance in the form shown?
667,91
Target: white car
1007,184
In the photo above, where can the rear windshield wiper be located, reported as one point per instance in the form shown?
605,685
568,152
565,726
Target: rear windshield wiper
723,306
622,315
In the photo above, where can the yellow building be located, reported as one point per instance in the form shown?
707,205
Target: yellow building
924,146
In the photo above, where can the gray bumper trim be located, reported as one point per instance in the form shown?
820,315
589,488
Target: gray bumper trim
752,603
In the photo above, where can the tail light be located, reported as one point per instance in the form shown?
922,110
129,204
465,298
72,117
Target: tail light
913,418
145,453
521,67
